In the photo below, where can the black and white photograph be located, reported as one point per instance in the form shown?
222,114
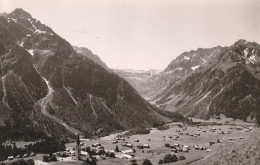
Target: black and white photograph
129,82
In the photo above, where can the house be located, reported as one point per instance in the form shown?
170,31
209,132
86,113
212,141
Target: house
121,156
186,146
124,144
10,158
129,145
176,144
84,155
196,147
32,154
136,140
127,151
146,146
96,145
25,155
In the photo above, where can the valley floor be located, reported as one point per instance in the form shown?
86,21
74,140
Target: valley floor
239,144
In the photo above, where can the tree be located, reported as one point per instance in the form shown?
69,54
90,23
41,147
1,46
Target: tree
133,162
45,158
93,162
147,162
117,149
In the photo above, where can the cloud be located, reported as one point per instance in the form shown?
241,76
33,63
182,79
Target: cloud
83,31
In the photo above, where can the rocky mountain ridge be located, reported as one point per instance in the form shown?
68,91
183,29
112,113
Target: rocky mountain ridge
228,83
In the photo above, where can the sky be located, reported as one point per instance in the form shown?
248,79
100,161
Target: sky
145,34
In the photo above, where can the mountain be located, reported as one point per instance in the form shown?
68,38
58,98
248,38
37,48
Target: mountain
151,86
88,53
220,80
138,78
48,89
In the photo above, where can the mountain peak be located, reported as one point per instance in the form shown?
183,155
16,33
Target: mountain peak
19,12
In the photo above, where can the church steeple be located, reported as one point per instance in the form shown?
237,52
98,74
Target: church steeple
78,148
78,141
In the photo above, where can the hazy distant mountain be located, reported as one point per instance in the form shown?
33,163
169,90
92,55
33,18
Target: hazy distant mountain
88,53
221,80
138,78
48,89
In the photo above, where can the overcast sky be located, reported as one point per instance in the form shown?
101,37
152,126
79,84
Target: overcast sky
145,34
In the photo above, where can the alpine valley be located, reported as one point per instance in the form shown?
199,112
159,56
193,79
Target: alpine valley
50,89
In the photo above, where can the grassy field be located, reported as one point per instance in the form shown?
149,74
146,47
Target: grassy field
158,138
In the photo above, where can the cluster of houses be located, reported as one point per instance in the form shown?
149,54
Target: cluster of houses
98,150
183,148
26,155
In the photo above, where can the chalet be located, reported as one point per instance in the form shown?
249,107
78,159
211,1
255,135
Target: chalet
122,156
96,145
203,148
32,154
176,144
25,155
84,155
146,146
129,145
124,144
186,146
10,158
127,151
184,150
196,147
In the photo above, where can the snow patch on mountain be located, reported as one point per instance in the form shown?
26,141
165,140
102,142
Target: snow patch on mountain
195,67
31,51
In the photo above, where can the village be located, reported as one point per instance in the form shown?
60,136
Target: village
178,143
